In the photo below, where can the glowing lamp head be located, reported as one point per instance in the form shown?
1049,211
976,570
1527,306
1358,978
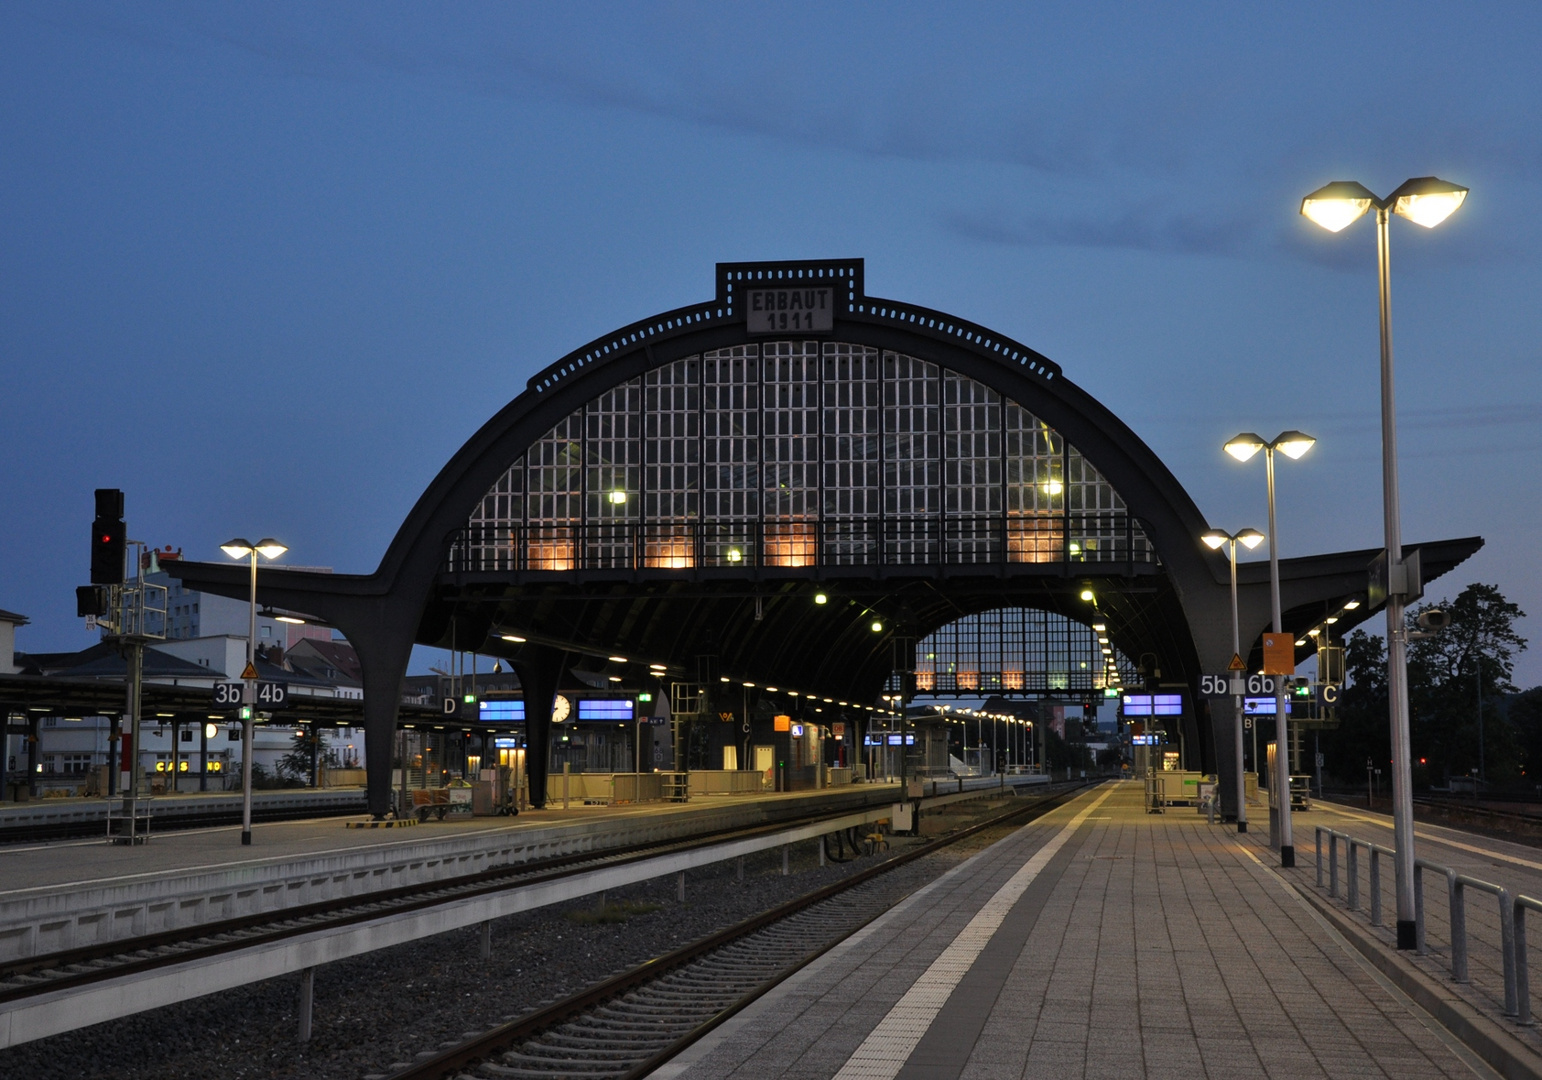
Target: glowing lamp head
1337,205
1087,595
877,627
1427,200
1293,444
1214,539
237,549
1250,538
270,548
821,598
618,498
1244,446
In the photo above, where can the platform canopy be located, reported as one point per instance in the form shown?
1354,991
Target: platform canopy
790,485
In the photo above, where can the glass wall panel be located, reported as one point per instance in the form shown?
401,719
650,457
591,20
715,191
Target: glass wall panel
730,488
797,453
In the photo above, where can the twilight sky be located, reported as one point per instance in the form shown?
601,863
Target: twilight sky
265,267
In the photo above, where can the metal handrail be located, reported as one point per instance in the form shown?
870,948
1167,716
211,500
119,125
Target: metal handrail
1511,917
1522,977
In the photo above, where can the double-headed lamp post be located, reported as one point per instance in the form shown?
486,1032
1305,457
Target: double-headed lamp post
1292,444
1250,539
1426,201
245,549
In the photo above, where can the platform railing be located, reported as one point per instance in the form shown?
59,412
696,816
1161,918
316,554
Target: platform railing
1511,910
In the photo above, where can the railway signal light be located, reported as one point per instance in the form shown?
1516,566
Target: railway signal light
108,543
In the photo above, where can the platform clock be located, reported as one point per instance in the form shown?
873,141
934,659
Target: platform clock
560,707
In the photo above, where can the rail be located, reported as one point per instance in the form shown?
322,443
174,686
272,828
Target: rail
1511,909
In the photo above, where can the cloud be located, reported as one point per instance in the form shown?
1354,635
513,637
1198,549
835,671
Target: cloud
1147,228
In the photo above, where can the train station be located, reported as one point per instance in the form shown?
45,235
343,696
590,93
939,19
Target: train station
788,586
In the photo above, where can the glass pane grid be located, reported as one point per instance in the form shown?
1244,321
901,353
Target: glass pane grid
795,454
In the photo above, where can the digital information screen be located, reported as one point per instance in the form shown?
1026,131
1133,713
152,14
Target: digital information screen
1153,705
506,711
612,709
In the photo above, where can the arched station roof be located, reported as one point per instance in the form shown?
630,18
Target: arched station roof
611,537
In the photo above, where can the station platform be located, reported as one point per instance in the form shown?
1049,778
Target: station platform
1098,941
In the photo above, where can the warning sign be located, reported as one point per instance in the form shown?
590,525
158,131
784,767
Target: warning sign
250,672
1236,663
1279,654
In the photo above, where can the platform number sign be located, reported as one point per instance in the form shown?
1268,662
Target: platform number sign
1252,685
270,695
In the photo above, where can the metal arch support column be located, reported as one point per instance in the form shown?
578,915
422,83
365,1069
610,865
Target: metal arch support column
384,650
540,669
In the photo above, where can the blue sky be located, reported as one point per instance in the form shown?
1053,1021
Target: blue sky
265,267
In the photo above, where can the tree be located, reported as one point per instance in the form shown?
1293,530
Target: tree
296,764
1456,679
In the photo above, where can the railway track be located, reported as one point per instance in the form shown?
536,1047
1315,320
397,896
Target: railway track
32,976
629,1025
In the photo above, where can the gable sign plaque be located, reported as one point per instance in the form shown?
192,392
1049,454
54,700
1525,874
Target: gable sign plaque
775,310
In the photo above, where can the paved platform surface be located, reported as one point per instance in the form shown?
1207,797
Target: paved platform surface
72,863
1099,941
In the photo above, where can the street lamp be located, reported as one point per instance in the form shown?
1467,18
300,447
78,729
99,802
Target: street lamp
1250,539
244,549
1426,201
1293,444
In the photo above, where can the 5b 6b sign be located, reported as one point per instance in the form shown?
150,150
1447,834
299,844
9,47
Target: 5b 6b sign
1252,685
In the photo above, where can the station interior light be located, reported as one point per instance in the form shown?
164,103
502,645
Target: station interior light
289,619
1087,595
1351,605
617,498
821,598
515,638
877,627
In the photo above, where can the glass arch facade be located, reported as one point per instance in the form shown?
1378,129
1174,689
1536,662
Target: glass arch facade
798,454
1019,650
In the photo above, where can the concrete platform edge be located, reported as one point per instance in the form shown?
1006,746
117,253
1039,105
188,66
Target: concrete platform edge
1487,1038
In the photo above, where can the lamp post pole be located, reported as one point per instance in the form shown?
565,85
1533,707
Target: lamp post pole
244,549
1236,699
1281,718
248,738
1249,538
1293,444
1426,201
1397,640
